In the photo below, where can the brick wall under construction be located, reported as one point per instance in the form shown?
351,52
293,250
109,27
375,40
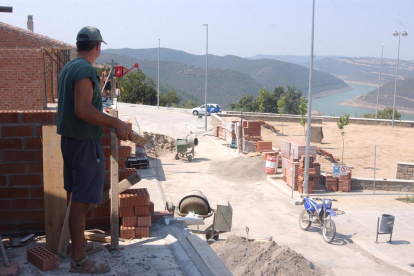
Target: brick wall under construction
21,171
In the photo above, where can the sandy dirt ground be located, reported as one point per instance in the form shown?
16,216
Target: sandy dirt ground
393,144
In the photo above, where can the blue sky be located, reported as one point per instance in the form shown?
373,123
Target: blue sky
243,28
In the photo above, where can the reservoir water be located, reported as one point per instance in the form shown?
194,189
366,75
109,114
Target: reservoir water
328,105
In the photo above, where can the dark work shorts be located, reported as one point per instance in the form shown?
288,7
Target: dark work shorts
108,86
83,169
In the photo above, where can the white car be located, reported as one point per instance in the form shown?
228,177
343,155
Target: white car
211,108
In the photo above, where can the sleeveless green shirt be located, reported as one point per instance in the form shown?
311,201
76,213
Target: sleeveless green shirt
68,124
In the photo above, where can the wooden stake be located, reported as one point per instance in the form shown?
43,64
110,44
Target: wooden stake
114,189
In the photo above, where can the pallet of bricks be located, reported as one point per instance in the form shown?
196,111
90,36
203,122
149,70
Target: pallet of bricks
314,174
341,184
135,211
228,128
292,152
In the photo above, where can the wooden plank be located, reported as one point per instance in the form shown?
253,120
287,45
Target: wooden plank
65,234
89,235
114,189
209,257
55,195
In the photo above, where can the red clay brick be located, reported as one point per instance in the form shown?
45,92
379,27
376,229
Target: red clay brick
38,192
5,205
37,116
42,258
125,173
36,216
10,144
9,193
20,156
28,204
8,168
124,152
141,232
9,116
13,216
39,155
144,221
126,211
159,214
151,207
16,131
35,167
3,180
141,211
33,143
25,180
127,232
129,221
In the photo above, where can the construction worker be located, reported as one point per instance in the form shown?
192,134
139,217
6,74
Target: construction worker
106,81
80,122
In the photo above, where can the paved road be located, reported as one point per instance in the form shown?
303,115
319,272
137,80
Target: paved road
266,209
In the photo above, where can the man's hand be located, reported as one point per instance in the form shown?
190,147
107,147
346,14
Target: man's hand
123,130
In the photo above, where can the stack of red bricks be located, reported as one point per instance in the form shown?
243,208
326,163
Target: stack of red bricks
314,176
252,130
331,183
263,146
135,212
344,182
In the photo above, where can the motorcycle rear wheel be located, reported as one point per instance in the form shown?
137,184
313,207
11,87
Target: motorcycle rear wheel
304,220
328,230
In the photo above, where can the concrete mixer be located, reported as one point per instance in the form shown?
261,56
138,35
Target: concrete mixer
182,144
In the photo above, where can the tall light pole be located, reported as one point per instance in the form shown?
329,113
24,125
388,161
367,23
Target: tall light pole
308,133
158,83
396,72
205,93
379,81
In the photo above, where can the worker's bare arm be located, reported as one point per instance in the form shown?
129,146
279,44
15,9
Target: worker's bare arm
84,110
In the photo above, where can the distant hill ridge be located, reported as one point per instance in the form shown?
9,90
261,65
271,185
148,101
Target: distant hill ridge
235,76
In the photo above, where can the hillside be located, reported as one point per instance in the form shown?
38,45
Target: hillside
268,73
404,98
364,70
300,60
224,86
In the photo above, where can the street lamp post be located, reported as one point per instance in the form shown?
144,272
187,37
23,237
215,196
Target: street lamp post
158,83
396,71
205,93
379,81
308,133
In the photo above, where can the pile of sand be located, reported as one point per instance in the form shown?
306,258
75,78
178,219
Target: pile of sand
158,144
244,257
242,168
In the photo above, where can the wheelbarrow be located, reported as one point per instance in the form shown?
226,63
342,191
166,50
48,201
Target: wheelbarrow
196,202
182,144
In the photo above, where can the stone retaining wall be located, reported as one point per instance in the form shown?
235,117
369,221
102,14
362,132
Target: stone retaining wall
405,171
396,185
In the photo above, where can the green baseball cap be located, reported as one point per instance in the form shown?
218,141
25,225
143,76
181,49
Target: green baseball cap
89,34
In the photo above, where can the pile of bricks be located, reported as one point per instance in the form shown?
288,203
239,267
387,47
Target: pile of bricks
263,146
314,175
344,182
331,183
293,153
42,258
252,130
135,213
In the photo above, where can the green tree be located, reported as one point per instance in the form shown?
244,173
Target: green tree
169,97
246,104
281,106
266,102
303,108
136,89
343,121
384,114
292,99
189,104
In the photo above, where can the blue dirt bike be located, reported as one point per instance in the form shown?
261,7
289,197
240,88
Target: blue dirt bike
319,214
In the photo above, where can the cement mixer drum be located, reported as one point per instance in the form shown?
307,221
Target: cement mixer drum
195,201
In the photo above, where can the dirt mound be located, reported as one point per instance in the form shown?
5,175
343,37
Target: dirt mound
242,168
158,144
262,258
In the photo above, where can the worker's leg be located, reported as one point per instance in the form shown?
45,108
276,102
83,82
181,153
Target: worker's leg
77,228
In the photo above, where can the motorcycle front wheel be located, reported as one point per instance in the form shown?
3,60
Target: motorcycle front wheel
304,220
328,230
